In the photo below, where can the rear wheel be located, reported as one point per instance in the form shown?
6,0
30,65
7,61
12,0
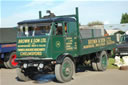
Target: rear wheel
103,61
64,72
94,66
10,63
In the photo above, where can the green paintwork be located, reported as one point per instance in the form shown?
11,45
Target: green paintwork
66,69
95,48
26,45
56,45
104,61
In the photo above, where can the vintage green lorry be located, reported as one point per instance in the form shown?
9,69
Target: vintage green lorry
58,44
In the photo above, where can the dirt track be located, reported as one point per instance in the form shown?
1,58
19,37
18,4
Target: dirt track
109,77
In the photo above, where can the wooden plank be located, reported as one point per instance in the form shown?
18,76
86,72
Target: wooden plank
92,45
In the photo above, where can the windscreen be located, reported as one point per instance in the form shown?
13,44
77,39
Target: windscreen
34,30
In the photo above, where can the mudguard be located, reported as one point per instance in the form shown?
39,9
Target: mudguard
60,58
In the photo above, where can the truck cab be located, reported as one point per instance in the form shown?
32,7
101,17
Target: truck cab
46,38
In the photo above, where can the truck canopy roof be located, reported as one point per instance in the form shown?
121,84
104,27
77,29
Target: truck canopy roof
8,35
34,21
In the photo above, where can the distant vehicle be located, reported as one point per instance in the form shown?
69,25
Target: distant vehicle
122,48
58,44
8,47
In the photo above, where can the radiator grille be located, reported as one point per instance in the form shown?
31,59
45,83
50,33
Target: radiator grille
123,50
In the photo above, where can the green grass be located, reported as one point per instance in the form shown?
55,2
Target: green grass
111,64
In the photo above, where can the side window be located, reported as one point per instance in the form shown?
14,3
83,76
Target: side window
59,30
30,30
65,28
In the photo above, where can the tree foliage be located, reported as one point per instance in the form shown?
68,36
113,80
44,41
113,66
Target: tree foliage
95,23
120,32
124,18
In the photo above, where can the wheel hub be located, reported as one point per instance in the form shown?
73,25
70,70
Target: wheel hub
66,69
104,61
13,57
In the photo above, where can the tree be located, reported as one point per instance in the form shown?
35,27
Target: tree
124,18
120,32
95,23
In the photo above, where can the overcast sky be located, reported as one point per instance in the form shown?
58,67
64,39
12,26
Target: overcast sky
107,11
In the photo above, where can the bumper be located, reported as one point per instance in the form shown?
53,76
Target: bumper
122,54
39,63
32,59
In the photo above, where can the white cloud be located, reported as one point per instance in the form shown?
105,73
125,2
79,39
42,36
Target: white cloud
11,21
39,2
106,22
67,7
98,0
31,13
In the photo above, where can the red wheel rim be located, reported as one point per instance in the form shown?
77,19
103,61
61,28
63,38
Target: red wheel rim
13,60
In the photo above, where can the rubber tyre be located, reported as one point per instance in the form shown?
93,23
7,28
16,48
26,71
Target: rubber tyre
103,61
21,76
11,61
5,64
60,71
94,66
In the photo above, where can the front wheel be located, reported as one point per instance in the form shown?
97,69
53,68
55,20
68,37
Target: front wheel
21,75
64,72
94,66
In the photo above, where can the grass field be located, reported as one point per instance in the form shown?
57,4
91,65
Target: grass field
111,64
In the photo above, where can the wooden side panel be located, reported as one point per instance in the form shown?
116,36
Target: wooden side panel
92,45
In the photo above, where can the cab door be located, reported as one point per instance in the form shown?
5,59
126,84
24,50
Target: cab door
58,40
71,39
